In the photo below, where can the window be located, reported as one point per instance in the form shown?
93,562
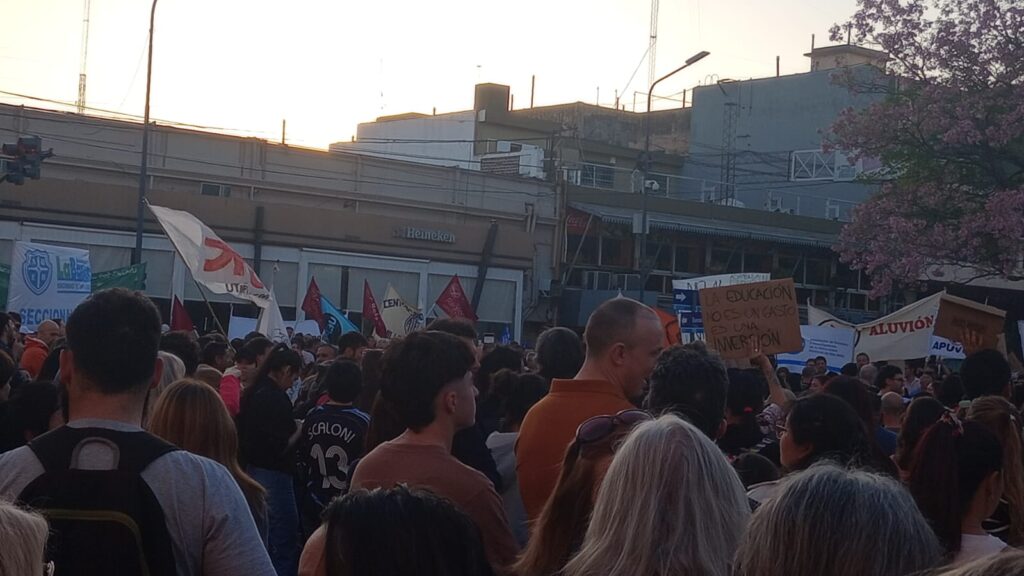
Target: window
682,261
857,301
588,253
818,272
791,266
725,261
614,253
597,176
210,189
659,255
757,262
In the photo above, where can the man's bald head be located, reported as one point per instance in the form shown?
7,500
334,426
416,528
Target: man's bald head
614,322
48,331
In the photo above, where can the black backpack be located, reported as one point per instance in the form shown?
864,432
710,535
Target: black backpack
101,521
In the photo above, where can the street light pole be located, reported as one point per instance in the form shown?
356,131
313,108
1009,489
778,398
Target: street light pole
143,165
647,169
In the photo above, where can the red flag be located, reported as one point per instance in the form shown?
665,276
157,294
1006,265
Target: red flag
372,312
454,302
311,303
179,317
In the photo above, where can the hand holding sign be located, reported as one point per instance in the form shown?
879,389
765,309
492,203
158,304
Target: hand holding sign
762,316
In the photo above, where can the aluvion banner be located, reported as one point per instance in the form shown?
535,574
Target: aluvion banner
47,282
906,333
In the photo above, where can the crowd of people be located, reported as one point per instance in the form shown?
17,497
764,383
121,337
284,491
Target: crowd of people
128,449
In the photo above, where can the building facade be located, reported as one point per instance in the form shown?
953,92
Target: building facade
294,213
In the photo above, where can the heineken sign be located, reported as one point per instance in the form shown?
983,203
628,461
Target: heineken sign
424,234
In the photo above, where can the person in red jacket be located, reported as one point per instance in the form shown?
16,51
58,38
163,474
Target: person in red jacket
38,348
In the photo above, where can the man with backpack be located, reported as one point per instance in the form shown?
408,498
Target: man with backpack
120,500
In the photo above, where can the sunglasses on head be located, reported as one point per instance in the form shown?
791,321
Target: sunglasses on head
600,427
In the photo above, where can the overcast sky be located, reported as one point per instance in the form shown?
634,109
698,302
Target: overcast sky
327,65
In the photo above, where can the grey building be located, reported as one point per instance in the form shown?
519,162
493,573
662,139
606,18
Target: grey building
759,143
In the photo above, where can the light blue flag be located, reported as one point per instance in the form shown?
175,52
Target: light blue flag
335,323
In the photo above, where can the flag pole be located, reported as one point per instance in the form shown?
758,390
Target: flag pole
209,307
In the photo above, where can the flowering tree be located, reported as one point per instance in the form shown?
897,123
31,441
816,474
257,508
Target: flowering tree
949,132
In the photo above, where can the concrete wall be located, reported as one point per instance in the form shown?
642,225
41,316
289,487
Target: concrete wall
774,117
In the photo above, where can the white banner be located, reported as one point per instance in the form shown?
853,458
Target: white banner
271,324
47,282
211,261
399,318
720,280
905,334
240,327
835,344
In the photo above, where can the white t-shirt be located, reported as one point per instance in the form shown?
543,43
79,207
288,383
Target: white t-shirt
974,546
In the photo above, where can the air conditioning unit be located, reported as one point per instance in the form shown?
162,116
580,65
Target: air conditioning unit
597,280
626,282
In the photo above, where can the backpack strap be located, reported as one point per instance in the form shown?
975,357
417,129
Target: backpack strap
56,450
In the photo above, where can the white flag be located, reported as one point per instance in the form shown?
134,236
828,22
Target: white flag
212,262
399,318
271,324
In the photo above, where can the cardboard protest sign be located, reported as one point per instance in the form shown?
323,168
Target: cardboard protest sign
744,317
957,315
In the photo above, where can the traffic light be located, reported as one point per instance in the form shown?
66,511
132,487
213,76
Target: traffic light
13,171
25,159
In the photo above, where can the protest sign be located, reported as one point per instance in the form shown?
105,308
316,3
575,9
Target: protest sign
835,344
762,316
957,315
47,282
686,299
945,348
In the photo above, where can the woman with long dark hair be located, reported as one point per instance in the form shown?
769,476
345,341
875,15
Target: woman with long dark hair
923,412
266,434
956,479
819,427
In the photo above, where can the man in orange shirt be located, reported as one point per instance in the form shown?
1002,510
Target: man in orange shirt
38,348
624,339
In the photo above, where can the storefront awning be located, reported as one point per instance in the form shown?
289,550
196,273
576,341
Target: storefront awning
709,227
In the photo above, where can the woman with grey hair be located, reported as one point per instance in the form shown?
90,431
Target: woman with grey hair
829,520
670,504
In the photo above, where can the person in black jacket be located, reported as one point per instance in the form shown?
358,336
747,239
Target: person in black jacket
266,435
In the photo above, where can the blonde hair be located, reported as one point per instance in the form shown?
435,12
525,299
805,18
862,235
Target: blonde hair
1003,420
23,534
1009,562
192,416
670,504
829,520
174,370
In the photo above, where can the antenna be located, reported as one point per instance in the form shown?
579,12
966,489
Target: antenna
653,46
80,103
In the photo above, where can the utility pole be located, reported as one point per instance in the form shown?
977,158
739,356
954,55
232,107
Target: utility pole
80,103
647,169
144,164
